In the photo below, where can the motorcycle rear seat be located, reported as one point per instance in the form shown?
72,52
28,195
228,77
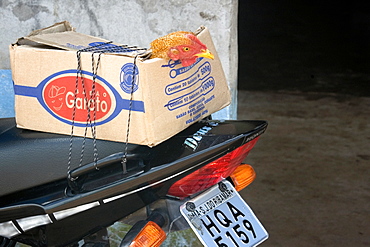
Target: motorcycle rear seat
30,158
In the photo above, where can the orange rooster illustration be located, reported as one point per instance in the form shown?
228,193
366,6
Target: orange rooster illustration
182,46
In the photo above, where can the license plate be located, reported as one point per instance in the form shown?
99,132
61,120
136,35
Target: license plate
220,217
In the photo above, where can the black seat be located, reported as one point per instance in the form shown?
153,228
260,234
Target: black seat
29,158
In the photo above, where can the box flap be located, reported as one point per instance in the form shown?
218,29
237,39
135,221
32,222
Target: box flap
63,36
56,28
60,35
68,40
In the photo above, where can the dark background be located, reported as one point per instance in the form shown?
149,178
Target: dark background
305,64
305,46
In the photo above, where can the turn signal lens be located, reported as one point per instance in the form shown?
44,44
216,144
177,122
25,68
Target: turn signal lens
211,173
151,235
243,176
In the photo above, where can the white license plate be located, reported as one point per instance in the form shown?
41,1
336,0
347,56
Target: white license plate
220,217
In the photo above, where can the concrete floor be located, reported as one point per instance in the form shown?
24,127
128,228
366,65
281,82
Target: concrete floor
312,164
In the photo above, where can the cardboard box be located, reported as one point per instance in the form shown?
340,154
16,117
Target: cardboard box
166,97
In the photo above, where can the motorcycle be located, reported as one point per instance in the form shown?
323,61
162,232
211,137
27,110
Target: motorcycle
191,180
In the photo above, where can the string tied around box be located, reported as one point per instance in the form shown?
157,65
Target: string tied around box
98,48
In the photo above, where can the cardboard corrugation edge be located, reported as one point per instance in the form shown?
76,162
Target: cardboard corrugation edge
12,66
13,60
141,96
149,128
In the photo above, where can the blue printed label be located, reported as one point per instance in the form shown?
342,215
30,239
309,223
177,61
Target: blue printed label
202,72
60,98
192,93
129,78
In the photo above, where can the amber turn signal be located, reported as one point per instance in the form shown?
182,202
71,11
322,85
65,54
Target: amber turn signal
151,235
243,176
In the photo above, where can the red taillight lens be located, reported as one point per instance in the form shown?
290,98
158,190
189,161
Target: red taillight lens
211,173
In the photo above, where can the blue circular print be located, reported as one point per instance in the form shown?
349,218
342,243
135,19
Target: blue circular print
129,78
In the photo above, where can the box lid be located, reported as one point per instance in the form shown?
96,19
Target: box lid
63,36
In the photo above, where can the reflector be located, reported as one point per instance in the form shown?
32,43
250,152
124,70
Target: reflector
151,235
211,173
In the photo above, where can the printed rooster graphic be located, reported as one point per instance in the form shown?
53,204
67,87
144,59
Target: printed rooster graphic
182,46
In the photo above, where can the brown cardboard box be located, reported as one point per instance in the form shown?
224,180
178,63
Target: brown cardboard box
166,97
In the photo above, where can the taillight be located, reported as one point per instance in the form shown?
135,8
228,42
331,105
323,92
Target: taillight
211,173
